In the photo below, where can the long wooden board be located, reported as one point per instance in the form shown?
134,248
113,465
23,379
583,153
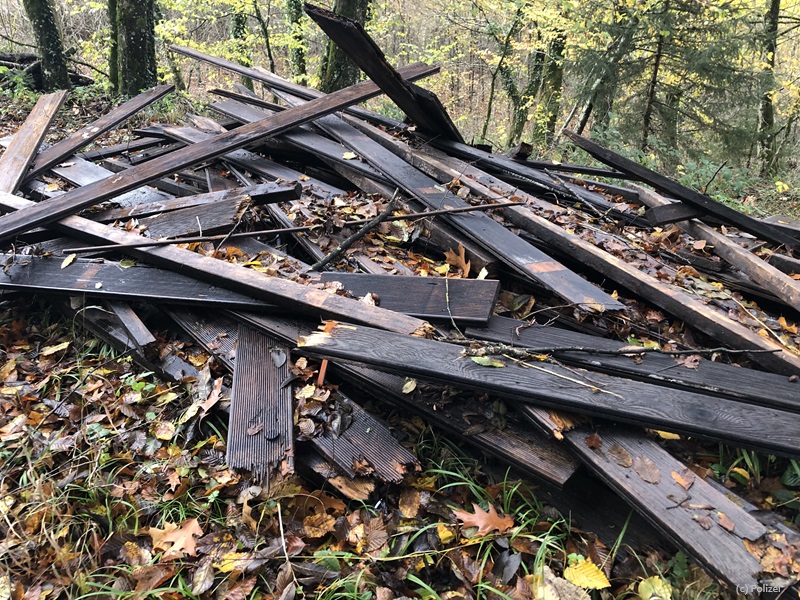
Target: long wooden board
429,298
747,385
672,188
71,202
556,386
17,159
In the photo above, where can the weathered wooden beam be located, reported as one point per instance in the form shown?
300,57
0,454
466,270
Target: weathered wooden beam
21,152
86,135
555,386
672,188
672,213
770,278
51,210
709,377
138,332
134,145
421,106
234,277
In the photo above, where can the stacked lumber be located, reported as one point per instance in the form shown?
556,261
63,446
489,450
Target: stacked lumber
427,260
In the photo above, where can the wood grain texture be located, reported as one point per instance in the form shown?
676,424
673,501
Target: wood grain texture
462,300
135,145
718,379
567,389
21,152
133,324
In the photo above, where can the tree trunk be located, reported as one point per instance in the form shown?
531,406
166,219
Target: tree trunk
136,49
651,93
239,39
552,83
264,25
113,47
48,40
297,49
767,145
338,71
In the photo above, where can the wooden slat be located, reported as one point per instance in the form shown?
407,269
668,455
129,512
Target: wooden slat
672,299
673,510
505,245
421,106
764,274
51,210
86,135
586,392
674,189
265,193
134,145
19,155
205,219
429,298
233,277
747,385
672,213
137,330
109,280
260,428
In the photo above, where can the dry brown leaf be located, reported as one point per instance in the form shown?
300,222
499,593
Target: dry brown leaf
458,260
791,328
593,441
725,522
685,479
317,526
692,361
176,540
646,469
699,245
409,503
621,456
703,520
486,522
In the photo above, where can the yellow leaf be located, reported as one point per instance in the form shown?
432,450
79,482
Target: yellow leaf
666,435
742,472
443,270
349,155
786,326
68,261
586,574
483,274
48,350
654,588
232,561
446,534
409,385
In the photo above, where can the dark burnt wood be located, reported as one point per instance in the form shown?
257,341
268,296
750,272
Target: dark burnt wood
672,213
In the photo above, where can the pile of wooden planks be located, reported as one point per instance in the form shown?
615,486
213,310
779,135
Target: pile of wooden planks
474,273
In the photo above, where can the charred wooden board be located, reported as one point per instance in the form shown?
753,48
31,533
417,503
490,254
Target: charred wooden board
138,332
555,386
672,213
687,195
692,515
233,277
528,450
460,300
718,379
86,135
125,148
204,219
71,202
421,106
261,428
110,280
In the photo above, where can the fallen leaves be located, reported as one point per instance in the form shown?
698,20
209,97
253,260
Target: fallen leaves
176,540
485,521
685,479
620,456
646,469
459,260
584,573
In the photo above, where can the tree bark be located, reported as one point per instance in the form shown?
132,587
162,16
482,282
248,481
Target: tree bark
651,93
48,40
136,49
552,83
113,47
338,71
766,123
239,39
297,50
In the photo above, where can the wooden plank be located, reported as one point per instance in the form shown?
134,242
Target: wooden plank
713,378
234,277
525,448
264,193
260,427
109,280
421,106
205,219
51,210
672,299
264,76
559,387
168,185
770,278
315,467
124,148
461,300
134,326
672,213
86,135
19,155
509,248
681,515
672,188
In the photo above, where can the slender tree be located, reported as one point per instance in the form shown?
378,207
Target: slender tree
766,123
136,46
48,40
297,49
338,71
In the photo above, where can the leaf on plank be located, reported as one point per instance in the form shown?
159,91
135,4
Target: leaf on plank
621,456
646,469
684,479
487,361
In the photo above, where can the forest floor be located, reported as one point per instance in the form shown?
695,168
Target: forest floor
103,494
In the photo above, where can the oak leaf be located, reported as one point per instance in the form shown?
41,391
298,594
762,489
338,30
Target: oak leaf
176,540
458,260
486,522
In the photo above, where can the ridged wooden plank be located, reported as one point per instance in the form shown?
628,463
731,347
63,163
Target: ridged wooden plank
260,428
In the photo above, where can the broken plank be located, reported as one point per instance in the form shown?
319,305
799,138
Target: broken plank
770,278
421,106
265,193
261,427
708,377
17,159
53,209
205,219
672,188
556,386
134,326
672,213
86,135
234,277
142,143
518,254
430,298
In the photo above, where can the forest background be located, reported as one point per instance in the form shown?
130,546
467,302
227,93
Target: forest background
705,91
